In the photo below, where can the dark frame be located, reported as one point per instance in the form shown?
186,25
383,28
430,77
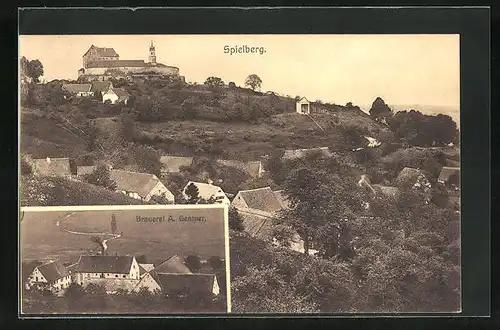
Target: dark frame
473,25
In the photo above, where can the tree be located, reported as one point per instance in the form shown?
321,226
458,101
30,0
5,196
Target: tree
235,220
253,81
128,130
379,110
214,82
113,224
148,160
193,193
35,70
215,262
100,176
193,262
232,85
189,108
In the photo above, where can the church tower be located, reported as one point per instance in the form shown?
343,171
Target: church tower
152,53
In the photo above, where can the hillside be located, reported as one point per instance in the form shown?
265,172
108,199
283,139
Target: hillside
49,191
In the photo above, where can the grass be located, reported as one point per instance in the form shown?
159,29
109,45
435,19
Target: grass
41,238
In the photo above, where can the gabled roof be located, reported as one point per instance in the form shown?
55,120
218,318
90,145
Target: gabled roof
192,283
206,190
103,51
263,199
27,268
174,265
299,153
53,271
77,88
116,63
172,164
257,225
52,166
101,86
252,168
447,172
303,98
141,183
104,264
120,92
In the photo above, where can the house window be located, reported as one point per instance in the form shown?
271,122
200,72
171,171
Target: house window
116,275
304,107
36,279
124,276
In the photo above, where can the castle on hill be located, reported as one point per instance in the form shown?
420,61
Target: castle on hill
101,63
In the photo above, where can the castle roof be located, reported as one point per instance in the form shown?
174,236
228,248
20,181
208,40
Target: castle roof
103,51
117,64
141,183
104,264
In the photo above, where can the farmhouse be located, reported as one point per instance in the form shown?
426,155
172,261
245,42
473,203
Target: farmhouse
101,87
252,168
449,175
51,276
102,63
261,199
207,191
51,166
185,284
303,106
142,186
172,164
299,153
100,269
116,95
78,90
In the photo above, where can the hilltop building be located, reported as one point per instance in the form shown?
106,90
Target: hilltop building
103,63
303,106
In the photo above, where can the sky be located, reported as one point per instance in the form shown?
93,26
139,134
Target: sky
401,69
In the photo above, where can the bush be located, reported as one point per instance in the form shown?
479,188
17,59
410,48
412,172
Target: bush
25,167
100,176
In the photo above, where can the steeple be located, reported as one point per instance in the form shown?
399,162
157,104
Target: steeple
152,53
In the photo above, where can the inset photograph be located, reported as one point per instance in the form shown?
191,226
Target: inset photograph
124,260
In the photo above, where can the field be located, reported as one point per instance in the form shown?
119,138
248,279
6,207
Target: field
42,238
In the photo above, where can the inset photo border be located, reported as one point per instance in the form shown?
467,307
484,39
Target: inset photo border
95,261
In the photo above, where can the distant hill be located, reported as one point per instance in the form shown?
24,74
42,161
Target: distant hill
453,112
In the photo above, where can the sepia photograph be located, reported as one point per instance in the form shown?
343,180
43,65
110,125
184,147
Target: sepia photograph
124,260
337,157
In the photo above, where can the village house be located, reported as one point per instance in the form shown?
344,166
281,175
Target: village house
261,199
116,95
208,191
172,164
449,175
300,153
50,166
143,186
173,265
253,168
186,284
303,106
78,90
51,276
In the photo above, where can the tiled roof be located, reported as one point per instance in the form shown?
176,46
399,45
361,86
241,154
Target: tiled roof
299,153
104,264
51,166
263,199
192,283
174,265
53,271
103,51
101,86
252,168
117,64
77,88
447,172
141,183
172,164
257,225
